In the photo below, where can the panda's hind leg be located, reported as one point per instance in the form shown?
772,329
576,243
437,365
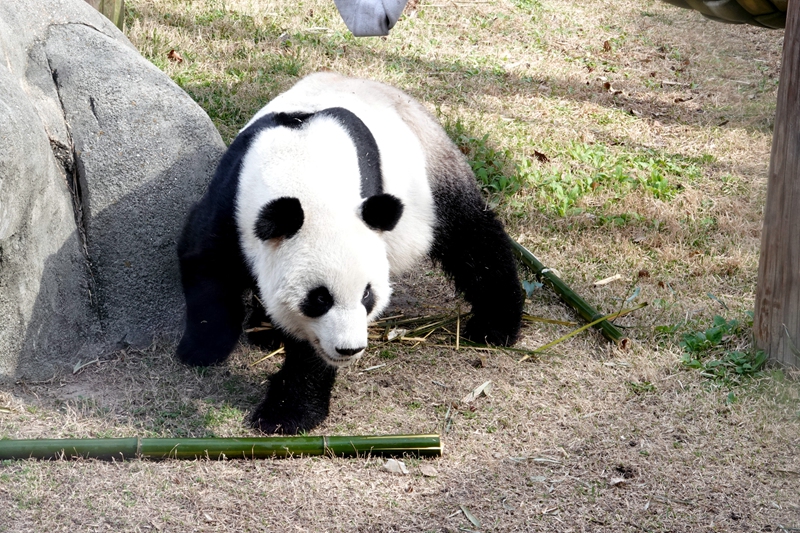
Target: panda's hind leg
299,394
472,247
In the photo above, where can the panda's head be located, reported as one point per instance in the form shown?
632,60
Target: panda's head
324,275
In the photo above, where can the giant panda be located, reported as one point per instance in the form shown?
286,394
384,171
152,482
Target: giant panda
330,189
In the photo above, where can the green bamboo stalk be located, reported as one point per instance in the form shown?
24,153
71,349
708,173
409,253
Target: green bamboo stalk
69,448
219,448
569,296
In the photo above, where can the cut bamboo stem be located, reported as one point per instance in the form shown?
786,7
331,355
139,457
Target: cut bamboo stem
586,311
221,448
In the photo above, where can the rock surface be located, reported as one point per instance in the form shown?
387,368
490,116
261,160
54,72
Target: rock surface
101,156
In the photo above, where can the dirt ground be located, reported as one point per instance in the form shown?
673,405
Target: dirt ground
586,437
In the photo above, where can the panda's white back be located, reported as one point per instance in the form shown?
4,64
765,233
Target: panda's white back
402,155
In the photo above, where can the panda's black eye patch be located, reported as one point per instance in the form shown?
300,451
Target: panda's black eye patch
318,302
368,299
282,217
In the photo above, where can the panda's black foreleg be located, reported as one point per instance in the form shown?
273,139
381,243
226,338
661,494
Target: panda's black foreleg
473,248
214,313
299,394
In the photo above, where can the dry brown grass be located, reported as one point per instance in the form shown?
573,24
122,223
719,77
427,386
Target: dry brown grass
586,437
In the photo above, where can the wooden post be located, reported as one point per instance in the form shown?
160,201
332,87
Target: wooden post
114,10
777,312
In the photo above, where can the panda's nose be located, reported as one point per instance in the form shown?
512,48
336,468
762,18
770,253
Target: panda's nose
349,351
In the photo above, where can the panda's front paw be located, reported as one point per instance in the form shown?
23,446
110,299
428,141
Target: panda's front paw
268,422
499,331
282,419
295,401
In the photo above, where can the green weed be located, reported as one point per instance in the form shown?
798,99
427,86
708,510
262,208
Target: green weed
714,351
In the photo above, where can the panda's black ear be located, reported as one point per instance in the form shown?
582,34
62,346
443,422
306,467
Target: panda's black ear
282,217
382,211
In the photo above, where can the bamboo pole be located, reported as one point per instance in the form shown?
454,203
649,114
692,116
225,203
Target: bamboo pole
221,448
586,311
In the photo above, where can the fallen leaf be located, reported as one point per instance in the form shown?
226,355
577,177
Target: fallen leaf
633,296
483,388
507,506
606,46
530,286
617,481
480,362
539,460
80,366
428,470
395,467
397,332
174,56
448,420
470,516
542,158
555,272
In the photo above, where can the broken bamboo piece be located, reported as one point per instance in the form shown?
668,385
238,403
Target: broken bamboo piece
586,311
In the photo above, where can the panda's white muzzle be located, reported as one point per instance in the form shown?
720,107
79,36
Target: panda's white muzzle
342,335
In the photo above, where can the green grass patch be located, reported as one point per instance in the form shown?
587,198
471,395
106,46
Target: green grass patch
585,168
558,181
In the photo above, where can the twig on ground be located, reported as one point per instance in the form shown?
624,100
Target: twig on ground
271,354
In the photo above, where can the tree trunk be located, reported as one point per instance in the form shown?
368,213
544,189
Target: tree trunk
777,312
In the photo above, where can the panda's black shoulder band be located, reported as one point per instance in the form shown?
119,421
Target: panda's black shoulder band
382,212
282,217
291,120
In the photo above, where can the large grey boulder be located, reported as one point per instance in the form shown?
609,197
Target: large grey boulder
101,156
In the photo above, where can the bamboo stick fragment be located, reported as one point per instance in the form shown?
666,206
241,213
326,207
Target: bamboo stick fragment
586,311
586,326
221,448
